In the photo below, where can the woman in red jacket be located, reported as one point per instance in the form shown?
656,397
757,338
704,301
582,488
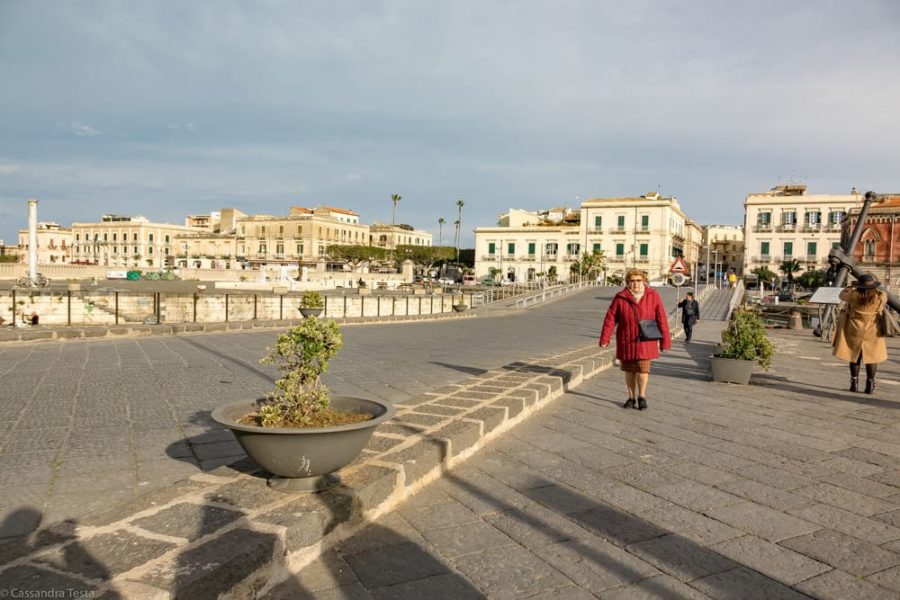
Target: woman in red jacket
638,301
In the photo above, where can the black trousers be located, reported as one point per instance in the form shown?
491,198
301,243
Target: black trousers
688,329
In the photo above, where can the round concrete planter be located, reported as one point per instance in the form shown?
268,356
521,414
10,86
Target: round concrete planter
304,459
460,307
310,312
731,370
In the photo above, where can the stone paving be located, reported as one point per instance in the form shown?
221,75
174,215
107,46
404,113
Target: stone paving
787,488
86,423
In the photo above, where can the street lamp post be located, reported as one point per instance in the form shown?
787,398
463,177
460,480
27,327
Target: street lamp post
715,269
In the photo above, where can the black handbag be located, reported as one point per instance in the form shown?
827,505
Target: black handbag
648,329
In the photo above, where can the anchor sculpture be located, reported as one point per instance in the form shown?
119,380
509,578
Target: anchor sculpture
841,263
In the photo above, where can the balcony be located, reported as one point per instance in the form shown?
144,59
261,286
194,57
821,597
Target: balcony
595,230
812,226
617,230
811,258
642,260
762,228
489,257
787,228
530,257
832,227
763,258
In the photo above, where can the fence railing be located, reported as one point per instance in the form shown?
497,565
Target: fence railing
550,293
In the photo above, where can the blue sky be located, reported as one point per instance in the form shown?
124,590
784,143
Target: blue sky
165,108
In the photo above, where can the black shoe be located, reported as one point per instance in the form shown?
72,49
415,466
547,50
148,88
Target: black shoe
642,403
629,403
870,386
853,384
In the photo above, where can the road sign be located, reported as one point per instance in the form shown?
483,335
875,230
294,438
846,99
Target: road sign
678,266
678,279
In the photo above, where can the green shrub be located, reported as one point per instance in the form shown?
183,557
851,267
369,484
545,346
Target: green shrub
312,299
745,338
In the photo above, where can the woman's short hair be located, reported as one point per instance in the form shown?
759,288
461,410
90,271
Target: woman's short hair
635,272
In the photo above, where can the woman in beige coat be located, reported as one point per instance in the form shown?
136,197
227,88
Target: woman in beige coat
856,338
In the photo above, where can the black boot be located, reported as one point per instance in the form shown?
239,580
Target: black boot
642,403
870,386
629,403
854,381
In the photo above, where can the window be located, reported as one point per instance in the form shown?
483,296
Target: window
166,251
620,222
116,249
763,219
531,248
510,249
835,245
764,249
813,218
281,229
597,248
167,239
299,229
492,248
835,217
573,248
134,237
104,237
789,219
125,249
279,248
643,249
264,230
645,222
299,249
151,238
77,237
810,248
551,248
598,222
114,237
869,248
262,248
620,250
788,250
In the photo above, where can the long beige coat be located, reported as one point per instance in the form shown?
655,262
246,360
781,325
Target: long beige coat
857,330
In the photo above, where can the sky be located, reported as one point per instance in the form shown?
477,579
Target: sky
168,108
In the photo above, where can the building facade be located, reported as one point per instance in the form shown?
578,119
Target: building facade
301,237
646,232
127,242
786,223
878,250
389,236
54,244
527,246
725,245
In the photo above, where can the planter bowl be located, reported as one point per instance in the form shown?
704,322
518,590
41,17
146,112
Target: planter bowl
304,459
731,370
310,312
460,307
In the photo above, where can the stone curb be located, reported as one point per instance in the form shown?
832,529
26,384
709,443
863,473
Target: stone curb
225,532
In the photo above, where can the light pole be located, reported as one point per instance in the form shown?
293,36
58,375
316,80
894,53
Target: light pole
715,269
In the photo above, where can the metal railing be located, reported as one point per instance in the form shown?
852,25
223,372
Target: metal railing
550,293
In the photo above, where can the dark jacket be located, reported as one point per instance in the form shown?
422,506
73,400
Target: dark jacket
621,317
690,311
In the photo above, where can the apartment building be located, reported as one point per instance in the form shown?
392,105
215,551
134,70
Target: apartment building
385,235
299,237
124,241
725,245
526,245
787,223
54,244
646,231
693,244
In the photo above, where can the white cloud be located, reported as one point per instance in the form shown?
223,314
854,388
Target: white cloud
82,130
9,169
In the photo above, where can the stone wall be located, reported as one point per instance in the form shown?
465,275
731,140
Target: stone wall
102,308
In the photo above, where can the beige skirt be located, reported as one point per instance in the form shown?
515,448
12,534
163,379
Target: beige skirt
636,366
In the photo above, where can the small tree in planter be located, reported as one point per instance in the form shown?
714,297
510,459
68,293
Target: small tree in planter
460,305
299,432
311,303
744,342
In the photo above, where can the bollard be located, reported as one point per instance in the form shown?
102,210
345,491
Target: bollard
795,321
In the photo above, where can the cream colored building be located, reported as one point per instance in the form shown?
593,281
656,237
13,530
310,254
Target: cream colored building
127,242
54,244
785,223
647,232
525,245
693,245
300,237
726,249
385,235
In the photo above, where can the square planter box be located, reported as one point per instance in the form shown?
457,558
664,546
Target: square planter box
364,291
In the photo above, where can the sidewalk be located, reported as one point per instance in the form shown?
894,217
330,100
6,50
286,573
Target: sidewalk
785,488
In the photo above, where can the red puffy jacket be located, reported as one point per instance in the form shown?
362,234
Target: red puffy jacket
621,316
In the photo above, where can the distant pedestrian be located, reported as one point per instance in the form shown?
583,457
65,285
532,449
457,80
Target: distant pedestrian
690,314
856,338
638,301
34,318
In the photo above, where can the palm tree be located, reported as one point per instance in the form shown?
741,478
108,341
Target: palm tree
395,198
459,207
789,267
441,222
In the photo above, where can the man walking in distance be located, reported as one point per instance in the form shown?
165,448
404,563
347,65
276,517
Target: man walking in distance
690,314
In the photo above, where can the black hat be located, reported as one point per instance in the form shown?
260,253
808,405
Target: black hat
867,281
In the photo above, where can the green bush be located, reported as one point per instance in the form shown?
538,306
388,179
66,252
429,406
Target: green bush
301,354
745,339
312,299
